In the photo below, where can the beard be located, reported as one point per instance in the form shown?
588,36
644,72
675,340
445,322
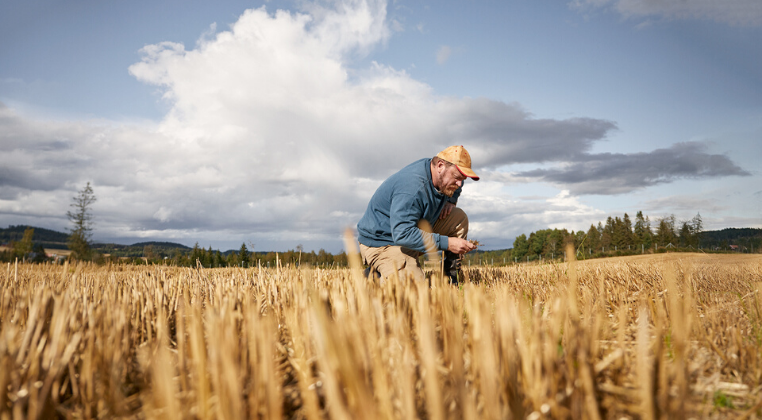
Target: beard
449,191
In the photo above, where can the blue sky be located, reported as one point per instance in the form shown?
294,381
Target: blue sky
273,122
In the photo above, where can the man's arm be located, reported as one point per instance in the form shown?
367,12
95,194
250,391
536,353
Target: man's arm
404,214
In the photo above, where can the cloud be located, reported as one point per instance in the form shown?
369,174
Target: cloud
496,218
443,54
347,27
616,173
732,12
506,133
684,204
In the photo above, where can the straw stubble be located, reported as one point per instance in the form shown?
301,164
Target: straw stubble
654,339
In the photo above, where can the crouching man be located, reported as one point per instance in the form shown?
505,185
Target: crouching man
426,189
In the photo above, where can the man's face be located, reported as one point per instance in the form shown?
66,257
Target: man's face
451,180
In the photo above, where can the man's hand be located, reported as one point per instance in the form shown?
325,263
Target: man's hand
446,210
459,246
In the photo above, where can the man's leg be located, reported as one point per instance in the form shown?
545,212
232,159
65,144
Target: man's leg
389,258
455,225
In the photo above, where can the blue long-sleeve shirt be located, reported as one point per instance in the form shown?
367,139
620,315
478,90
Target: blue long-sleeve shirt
399,203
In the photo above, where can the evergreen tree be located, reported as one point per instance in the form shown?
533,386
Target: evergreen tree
665,233
697,228
579,237
219,259
661,233
196,255
685,235
672,224
617,233
648,239
82,220
243,255
639,230
207,257
232,260
607,235
627,232
593,239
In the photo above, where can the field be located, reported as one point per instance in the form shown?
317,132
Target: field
667,336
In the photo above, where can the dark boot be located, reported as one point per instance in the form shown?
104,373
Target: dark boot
371,274
452,266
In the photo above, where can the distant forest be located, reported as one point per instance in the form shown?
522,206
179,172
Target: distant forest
624,236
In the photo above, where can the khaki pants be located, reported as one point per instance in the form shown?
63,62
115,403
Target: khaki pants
389,258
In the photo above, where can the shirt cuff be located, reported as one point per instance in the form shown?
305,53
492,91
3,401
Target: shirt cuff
443,242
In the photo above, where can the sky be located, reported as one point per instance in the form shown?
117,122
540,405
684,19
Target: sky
272,123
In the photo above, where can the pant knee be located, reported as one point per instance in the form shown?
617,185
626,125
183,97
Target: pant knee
392,260
455,224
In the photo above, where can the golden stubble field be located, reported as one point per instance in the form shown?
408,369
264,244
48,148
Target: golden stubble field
652,337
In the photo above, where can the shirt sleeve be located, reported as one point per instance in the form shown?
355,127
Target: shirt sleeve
404,214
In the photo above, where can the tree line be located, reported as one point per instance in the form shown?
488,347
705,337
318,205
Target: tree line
26,250
617,236
209,258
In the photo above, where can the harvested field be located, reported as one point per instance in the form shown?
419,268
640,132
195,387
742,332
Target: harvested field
687,257
666,336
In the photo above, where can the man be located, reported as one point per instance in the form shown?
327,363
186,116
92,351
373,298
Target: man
426,189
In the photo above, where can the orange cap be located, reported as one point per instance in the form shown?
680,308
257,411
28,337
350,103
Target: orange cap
458,155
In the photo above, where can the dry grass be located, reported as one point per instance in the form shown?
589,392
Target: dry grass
648,338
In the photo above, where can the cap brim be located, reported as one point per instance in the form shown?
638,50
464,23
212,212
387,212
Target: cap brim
467,172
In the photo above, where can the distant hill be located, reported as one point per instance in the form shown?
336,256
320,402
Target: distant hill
52,239
46,237
747,237
162,245
730,234
162,249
